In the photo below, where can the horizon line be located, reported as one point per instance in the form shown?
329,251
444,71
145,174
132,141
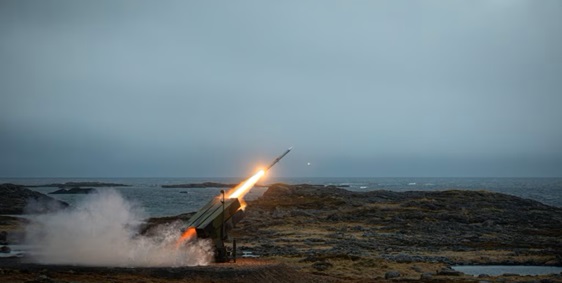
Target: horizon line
280,177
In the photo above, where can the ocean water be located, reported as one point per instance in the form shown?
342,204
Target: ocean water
496,270
157,201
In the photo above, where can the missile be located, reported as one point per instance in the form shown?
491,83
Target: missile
278,158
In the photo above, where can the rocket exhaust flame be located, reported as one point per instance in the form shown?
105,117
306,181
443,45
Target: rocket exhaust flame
210,220
186,236
241,190
237,192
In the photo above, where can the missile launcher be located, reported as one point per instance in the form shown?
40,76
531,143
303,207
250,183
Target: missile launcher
216,218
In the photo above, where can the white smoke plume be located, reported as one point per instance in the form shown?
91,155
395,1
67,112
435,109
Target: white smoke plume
103,231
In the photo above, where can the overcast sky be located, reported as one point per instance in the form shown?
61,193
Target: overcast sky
217,88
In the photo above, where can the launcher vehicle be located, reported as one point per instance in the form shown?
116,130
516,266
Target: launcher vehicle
214,220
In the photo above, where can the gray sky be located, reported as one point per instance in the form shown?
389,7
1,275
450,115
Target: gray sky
205,88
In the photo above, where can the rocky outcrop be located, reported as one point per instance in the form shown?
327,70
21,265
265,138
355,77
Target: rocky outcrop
16,199
205,185
462,220
445,227
74,191
201,185
78,185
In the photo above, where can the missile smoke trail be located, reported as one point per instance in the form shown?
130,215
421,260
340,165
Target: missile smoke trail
241,190
102,230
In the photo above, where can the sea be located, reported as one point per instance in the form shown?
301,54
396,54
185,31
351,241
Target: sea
156,201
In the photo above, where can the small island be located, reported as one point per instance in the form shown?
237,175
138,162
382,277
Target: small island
73,191
78,185
16,199
201,185
204,185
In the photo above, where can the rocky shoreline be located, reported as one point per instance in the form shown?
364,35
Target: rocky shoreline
384,236
73,191
200,185
77,185
329,234
204,185
347,234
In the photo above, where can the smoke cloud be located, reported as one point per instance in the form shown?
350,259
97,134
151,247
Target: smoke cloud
102,230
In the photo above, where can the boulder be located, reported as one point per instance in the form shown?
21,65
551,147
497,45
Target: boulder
321,265
391,274
447,271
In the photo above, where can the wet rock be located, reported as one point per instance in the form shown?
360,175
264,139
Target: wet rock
311,258
279,213
405,258
391,274
322,265
368,234
416,269
358,228
510,274
301,213
447,271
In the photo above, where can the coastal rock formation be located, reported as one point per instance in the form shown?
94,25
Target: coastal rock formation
201,185
78,185
306,233
362,230
73,191
205,185
16,199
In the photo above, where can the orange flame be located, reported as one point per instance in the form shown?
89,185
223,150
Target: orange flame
186,236
237,192
241,190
